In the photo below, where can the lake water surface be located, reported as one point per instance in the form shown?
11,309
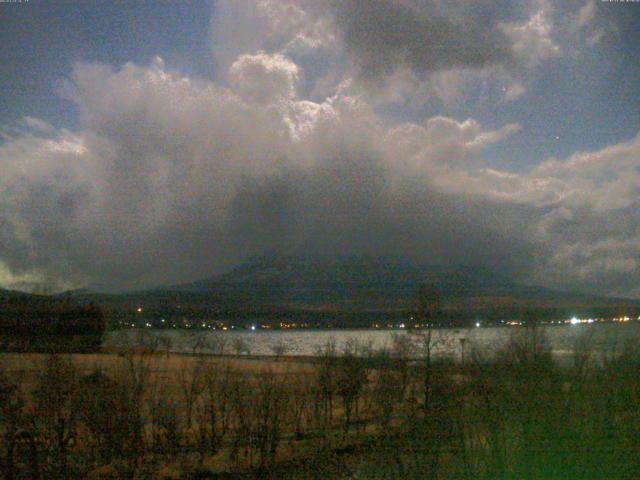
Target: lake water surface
602,337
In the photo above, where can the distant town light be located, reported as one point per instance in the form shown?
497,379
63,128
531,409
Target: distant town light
139,310
253,327
574,321
477,324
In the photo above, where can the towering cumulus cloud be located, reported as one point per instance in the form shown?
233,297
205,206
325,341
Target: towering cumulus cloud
171,177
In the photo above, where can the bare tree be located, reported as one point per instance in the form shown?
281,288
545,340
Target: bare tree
386,387
216,409
169,422
270,405
351,377
218,344
135,374
301,393
240,346
279,348
326,378
103,409
191,385
56,414
165,344
402,349
198,342
240,396
11,416
427,309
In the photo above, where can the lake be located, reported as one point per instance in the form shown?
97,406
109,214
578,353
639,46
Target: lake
603,337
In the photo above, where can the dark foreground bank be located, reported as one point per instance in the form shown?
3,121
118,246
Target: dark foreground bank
354,413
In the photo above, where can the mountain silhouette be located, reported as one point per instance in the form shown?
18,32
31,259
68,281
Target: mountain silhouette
372,283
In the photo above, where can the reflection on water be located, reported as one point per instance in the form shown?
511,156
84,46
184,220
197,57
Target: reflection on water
448,342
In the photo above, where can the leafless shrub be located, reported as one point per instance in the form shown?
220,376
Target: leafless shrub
270,405
215,409
56,415
402,349
135,374
240,346
427,309
12,420
301,394
165,344
387,387
527,350
165,422
103,409
191,383
279,348
218,344
241,420
326,383
169,425
351,378
199,342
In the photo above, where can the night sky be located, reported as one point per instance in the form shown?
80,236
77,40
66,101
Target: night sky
151,143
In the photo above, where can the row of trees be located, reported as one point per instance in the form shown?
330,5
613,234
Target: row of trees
33,323
142,413
514,415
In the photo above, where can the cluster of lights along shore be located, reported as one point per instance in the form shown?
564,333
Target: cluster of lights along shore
185,323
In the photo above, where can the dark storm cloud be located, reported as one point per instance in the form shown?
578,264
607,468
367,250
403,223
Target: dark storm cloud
348,206
382,35
170,179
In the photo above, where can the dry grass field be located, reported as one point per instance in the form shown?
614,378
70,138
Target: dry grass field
27,365
355,413
186,412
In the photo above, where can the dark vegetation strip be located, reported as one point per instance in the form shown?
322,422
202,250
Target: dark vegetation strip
354,413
